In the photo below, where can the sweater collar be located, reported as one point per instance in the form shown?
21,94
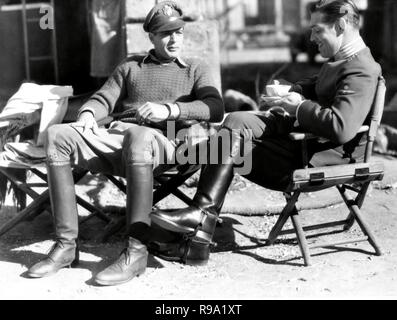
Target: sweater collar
151,56
350,49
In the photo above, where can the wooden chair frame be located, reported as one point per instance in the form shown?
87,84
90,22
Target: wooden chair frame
41,202
166,184
354,178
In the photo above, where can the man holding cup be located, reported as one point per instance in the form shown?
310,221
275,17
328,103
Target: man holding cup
333,104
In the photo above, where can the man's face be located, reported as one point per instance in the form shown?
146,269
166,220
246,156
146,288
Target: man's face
167,44
327,36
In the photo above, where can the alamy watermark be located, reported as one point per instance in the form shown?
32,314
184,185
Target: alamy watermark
195,147
47,19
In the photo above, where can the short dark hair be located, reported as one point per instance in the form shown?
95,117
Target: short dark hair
332,10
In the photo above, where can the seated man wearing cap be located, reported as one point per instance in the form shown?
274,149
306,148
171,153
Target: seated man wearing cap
158,87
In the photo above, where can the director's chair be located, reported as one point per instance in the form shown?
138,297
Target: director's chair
349,178
165,184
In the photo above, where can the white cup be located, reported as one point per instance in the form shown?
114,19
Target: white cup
277,89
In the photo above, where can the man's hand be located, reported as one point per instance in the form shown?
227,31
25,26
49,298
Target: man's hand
87,121
289,102
153,112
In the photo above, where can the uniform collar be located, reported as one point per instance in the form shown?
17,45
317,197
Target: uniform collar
350,49
152,57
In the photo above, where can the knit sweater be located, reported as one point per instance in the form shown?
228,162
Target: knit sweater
141,79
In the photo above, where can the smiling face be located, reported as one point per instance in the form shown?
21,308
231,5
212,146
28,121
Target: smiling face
327,36
167,44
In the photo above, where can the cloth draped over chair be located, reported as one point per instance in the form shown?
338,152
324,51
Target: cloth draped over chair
43,105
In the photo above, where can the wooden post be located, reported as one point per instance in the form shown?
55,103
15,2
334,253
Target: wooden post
25,40
278,13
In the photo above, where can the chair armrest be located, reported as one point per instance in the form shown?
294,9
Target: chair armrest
180,124
299,136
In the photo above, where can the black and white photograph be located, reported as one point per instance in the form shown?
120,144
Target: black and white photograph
212,151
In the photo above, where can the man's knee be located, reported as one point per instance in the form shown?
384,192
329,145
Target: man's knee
237,120
58,134
59,142
137,135
138,144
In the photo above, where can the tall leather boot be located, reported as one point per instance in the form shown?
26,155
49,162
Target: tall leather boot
64,252
132,261
200,219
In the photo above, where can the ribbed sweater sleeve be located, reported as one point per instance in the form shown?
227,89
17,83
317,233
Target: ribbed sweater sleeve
111,93
208,103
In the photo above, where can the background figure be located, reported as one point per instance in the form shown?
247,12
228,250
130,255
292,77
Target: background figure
107,38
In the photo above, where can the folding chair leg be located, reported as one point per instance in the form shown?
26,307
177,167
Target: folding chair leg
274,233
355,211
284,215
171,186
36,213
350,222
35,206
300,234
364,227
115,225
359,200
94,211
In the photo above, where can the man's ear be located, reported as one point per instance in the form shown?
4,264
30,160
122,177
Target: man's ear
151,37
341,25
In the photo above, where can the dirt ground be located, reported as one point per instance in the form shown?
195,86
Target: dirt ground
240,267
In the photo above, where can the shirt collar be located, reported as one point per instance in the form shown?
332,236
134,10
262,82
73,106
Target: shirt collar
151,56
350,49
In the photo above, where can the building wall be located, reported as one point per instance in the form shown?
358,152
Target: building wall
390,32
12,63
291,14
282,14
72,44
236,17
266,12
380,31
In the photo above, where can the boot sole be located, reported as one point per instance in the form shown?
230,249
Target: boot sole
115,283
196,262
38,276
188,262
169,225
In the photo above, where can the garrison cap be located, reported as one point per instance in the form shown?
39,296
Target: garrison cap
165,16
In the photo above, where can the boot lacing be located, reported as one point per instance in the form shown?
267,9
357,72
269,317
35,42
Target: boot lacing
127,256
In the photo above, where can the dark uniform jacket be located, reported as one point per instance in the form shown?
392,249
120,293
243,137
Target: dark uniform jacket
339,101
